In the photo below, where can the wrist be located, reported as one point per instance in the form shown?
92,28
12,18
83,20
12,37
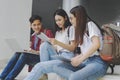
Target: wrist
56,42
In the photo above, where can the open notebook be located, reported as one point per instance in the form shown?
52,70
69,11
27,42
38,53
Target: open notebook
14,45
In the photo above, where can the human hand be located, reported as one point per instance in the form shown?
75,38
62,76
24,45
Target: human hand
27,50
53,41
76,61
30,50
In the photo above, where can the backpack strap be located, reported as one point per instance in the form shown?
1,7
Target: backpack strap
68,33
112,68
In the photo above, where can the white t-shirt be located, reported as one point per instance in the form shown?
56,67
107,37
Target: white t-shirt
63,37
93,31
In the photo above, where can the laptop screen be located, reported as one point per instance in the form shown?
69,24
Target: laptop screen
14,45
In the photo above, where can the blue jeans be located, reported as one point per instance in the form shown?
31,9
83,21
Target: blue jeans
47,61
47,52
42,68
91,69
16,64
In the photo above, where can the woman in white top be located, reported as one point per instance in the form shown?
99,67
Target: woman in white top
64,38
88,65
63,44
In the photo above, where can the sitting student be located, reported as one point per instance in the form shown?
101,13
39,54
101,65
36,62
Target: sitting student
19,59
64,44
63,41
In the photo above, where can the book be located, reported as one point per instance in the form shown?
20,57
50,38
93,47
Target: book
43,37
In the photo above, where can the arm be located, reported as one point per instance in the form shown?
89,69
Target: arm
70,47
94,47
31,50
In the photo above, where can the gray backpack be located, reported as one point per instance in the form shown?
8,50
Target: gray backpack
111,45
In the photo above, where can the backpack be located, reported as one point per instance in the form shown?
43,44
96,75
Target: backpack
111,45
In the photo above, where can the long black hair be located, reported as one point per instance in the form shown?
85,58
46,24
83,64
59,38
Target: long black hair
62,13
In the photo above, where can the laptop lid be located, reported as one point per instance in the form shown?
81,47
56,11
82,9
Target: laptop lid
14,45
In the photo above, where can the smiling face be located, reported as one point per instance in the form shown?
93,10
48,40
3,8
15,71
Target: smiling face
60,21
36,26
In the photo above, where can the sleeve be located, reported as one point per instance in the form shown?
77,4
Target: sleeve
93,29
72,33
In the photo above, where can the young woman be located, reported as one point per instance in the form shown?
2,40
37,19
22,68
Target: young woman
63,44
19,59
88,65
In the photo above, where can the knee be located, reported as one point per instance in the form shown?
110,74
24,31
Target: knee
40,66
44,45
24,56
16,55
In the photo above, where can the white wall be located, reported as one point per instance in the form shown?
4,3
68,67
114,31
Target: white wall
69,4
14,23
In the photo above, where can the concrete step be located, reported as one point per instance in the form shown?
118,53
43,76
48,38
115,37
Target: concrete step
111,77
53,76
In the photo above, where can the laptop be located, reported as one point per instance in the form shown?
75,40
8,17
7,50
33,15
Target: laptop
14,45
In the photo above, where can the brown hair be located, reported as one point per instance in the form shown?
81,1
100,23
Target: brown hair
81,20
